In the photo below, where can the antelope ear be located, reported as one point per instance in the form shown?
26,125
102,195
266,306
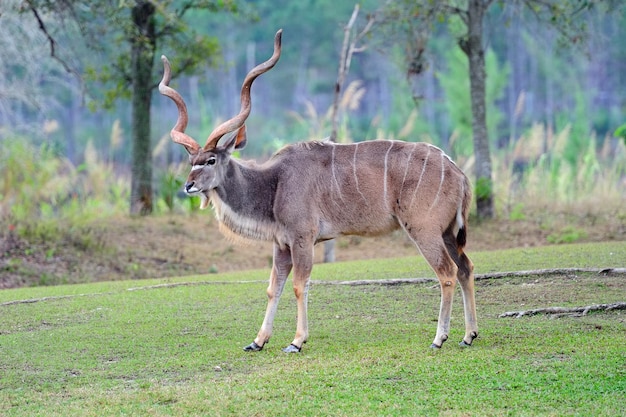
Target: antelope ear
242,138
236,141
190,151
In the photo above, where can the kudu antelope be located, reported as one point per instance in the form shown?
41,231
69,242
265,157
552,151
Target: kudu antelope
314,191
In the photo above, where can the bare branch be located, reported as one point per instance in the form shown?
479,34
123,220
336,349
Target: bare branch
51,41
463,14
562,311
348,49
551,271
343,62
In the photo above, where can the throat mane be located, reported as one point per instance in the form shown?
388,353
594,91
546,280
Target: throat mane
239,227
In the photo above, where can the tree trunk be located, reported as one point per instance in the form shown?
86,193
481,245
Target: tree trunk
71,118
329,251
417,67
473,48
142,59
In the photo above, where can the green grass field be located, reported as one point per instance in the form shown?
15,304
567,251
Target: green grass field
135,348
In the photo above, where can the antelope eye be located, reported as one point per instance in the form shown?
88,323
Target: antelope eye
211,161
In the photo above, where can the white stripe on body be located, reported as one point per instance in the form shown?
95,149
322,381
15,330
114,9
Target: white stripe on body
406,171
443,174
356,179
332,164
421,176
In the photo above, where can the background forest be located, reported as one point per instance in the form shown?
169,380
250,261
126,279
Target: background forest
555,107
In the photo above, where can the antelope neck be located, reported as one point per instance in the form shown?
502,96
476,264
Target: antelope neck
244,201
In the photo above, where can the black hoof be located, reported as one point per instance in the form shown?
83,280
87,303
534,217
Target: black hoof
463,343
253,347
436,346
292,349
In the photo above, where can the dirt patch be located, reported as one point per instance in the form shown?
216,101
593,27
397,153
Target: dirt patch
174,245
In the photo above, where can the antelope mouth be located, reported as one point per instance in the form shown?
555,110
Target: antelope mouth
204,198
203,194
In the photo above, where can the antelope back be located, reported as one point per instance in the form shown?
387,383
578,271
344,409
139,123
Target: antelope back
370,188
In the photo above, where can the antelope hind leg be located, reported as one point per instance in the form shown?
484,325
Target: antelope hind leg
465,277
447,285
437,256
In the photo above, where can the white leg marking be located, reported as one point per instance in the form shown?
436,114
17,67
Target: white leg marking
302,325
356,179
280,270
421,176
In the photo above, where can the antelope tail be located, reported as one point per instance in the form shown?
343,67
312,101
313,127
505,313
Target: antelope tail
462,214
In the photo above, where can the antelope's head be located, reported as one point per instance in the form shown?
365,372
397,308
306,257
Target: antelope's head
208,163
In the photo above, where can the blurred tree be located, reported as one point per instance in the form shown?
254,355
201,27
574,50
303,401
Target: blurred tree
455,83
418,20
349,47
23,75
127,34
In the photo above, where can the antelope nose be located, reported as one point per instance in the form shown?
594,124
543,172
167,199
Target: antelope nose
190,187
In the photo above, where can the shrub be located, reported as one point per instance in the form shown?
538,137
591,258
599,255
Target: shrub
43,197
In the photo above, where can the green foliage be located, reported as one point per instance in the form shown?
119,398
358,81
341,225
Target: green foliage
620,132
579,138
550,178
170,184
517,212
28,176
456,85
569,234
173,36
484,188
46,198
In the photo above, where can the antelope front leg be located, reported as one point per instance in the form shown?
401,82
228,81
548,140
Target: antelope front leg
303,264
281,266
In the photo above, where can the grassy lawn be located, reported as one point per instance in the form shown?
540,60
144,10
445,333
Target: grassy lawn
177,350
